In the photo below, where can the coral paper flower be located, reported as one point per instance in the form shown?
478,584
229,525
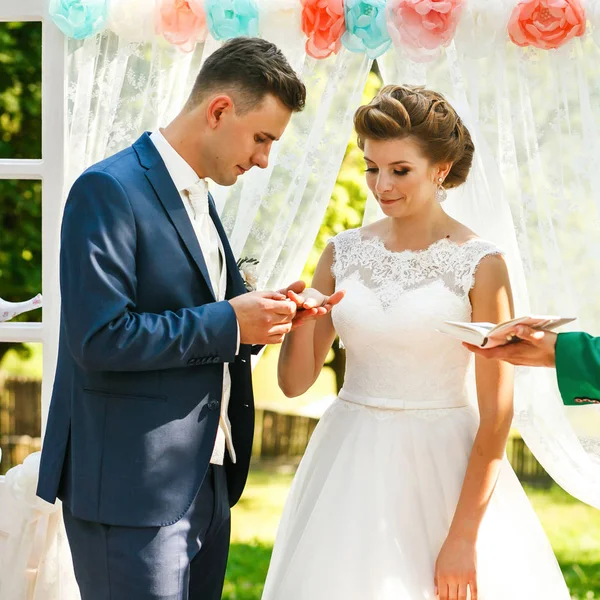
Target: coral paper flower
232,18
79,19
546,24
323,23
181,22
366,28
423,24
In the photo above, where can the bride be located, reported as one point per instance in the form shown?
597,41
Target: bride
404,492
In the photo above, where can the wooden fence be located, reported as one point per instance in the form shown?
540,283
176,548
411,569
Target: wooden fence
20,420
278,436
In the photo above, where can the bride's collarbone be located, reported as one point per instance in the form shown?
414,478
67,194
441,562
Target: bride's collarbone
456,235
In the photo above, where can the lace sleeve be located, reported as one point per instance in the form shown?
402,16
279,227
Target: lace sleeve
473,253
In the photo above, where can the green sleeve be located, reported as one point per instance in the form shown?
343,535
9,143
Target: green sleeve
578,368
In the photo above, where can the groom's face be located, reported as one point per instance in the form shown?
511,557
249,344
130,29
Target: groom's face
243,141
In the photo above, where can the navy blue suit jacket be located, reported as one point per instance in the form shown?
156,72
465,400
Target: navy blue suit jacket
136,400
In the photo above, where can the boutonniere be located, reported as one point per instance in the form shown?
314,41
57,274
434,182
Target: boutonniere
248,271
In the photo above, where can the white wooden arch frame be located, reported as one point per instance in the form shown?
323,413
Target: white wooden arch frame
50,171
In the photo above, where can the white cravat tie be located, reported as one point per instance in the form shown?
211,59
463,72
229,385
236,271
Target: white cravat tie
198,196
212,251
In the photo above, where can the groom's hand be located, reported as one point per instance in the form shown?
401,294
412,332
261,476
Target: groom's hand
534,348
263,317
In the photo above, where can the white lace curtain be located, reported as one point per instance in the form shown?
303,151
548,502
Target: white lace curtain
534,191
117,90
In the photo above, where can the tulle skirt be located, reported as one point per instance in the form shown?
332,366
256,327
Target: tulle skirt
371,505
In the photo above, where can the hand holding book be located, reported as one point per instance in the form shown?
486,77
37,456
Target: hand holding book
490,335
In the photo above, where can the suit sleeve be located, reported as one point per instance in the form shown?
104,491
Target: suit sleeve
98,288
578,368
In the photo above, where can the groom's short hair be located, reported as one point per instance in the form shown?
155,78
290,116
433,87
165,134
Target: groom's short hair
249,69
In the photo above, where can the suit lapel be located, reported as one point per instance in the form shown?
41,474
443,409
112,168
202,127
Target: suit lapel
235,283
167,193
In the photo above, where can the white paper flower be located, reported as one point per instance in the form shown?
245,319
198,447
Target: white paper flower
249,271
133,20
280,22
483,25
22,482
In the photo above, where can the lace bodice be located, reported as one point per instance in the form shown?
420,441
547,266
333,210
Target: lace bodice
388,319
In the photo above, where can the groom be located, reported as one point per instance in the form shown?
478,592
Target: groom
150,427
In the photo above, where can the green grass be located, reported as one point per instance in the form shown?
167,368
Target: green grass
572,527
246,570
253,528
574,532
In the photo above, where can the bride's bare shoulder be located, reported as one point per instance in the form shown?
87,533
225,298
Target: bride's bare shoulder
461,234
375,229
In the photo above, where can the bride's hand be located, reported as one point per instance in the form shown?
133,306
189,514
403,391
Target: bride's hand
312,304
456,570
308,299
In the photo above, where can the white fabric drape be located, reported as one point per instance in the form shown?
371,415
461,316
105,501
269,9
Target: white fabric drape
534,191
35,561
117,90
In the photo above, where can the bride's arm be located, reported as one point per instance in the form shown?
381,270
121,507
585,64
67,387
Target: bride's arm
491,299
305,349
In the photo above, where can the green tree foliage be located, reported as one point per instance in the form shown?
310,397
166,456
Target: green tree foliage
20,137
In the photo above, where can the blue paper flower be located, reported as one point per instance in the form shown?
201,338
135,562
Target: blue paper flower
79,19
227,19
366,29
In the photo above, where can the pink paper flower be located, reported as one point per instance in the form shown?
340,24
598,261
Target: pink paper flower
423,24
323,23
181,22
546,24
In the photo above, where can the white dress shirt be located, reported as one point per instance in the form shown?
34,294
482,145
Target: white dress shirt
184,177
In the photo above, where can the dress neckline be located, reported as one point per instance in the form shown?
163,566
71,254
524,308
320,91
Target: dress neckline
408,252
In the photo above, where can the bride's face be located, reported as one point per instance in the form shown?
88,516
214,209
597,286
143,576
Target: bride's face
401,178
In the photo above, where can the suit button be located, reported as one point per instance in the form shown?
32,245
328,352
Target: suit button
213,405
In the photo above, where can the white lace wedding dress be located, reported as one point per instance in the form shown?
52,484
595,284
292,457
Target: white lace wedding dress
376,491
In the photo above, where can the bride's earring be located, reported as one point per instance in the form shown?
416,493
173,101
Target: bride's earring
440,193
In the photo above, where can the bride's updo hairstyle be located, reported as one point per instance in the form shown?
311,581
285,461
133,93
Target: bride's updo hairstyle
400,111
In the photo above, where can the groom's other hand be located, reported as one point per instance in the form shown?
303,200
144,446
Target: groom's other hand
263,317
534,348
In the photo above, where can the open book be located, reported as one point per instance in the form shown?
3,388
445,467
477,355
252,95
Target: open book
489,335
